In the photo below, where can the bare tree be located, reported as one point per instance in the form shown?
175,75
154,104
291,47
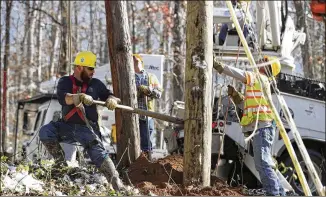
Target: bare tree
198,110
132,23
76,37
306,48
178,45
149,27
123,75
30,49
91,30
0,78
5,70
165,48
63,51
38,47
54,38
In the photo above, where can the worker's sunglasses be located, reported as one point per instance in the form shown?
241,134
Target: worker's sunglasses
90,68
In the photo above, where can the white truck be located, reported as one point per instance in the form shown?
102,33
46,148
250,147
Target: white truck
304,97
308,112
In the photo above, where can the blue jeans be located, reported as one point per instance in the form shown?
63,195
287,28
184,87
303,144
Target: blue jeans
71,133
145,140
262,147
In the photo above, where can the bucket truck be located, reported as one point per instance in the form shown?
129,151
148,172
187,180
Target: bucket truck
305,97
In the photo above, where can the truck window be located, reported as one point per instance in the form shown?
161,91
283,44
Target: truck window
301,86
25,121
37,120
43,118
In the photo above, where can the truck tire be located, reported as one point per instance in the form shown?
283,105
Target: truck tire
319,164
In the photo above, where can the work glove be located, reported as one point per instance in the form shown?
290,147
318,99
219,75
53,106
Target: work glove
112,102
236,96
82,98
231,90
144,89
217,65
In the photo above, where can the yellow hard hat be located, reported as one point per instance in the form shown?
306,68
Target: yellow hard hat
276,65
85,58
139,58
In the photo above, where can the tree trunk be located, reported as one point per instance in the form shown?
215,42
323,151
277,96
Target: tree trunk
133,19
76,37
0,81
30,51
38,48
306,50
148,28
131,8
165,48
101,42
198,110
179,49
106,50
23,51
5,70
91,30
123,75
55,34
63,52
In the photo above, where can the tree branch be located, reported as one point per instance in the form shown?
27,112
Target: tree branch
44,12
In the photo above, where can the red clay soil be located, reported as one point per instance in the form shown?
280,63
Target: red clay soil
154,177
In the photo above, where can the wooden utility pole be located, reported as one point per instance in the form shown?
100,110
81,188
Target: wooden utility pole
123,80
198,110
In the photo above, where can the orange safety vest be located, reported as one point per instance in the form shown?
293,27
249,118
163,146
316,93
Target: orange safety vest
76,90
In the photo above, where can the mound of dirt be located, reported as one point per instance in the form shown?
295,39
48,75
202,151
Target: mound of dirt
164,177
157,172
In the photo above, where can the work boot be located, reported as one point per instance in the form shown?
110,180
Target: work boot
112,175
57,153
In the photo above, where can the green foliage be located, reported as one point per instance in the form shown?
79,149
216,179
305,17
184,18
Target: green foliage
4,159
112,193
22,167
74,191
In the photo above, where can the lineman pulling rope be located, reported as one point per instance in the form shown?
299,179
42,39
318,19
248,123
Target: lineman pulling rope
266,105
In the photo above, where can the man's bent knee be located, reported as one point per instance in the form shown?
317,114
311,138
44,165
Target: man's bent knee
48,132
96,152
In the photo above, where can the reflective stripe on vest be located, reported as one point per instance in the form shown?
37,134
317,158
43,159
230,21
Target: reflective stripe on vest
255,103
76,90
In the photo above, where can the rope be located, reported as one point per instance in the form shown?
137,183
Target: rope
229,99
280,125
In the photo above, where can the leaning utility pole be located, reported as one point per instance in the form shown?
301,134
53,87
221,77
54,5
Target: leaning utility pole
123,80
198,82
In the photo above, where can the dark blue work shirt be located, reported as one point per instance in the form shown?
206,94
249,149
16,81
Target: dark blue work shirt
96,89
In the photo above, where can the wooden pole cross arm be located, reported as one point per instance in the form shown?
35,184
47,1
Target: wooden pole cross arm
145,113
